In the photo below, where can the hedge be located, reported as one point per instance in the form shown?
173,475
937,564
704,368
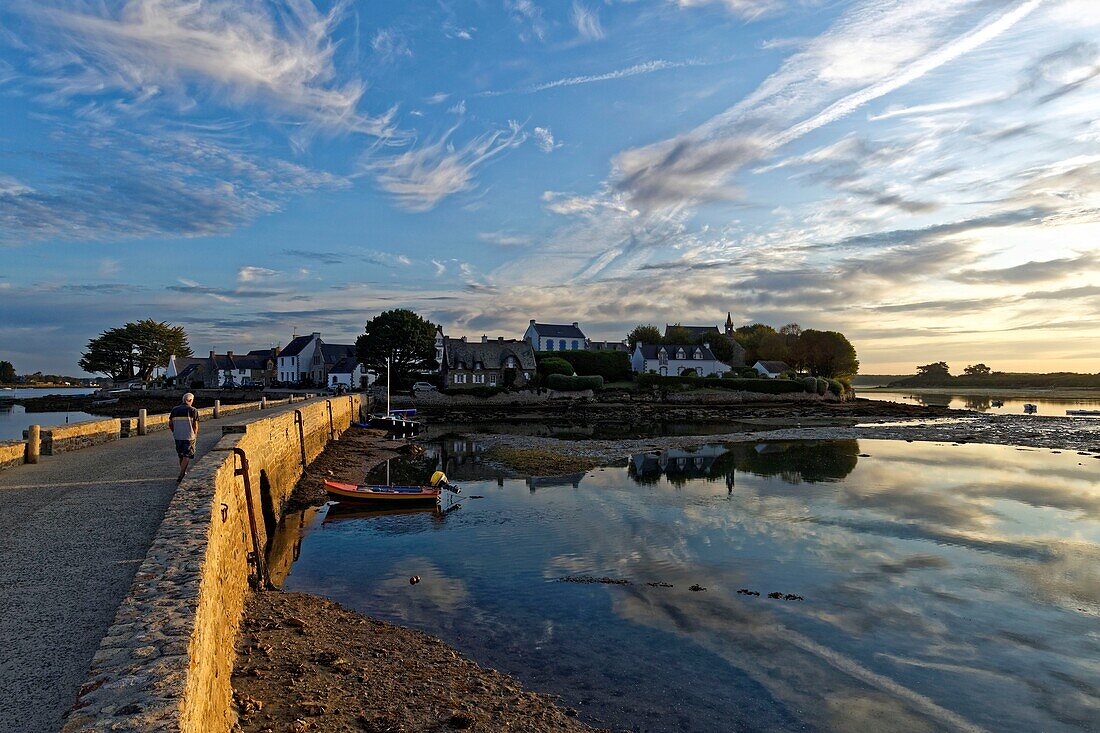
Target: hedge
762,386
613,366
822,386
563,383
554,365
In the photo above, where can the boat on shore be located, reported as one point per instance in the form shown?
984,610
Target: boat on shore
1083,412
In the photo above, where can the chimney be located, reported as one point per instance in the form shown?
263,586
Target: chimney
576,325
500,339
275,352
316,334
706,344
211,356
532,321
229,354
463,339
484,339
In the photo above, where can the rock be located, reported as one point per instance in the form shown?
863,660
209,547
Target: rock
696,588
414,580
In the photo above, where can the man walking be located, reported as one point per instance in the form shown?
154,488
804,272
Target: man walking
184,421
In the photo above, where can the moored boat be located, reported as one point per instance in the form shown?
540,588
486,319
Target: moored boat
392,495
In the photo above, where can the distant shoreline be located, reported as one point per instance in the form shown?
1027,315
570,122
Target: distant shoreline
1069,393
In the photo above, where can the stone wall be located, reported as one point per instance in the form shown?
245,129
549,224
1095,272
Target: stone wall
61,438
166,663
12,452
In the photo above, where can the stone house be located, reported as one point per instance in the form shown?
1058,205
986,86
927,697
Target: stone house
555,336
487,363
308,359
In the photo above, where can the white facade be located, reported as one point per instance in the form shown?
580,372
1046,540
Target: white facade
306,363
676,360
771,369
351,381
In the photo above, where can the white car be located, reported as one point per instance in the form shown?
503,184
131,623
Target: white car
423,387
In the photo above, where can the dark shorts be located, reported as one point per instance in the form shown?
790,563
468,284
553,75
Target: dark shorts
185,448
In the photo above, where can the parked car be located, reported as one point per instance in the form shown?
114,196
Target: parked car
137,386
423,387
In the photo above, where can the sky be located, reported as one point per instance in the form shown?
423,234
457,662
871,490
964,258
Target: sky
922,176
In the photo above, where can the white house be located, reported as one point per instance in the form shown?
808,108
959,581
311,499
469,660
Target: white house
771,369
348,372
676,360
301,360
555,337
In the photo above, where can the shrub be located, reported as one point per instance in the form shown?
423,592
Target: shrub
565,383
478,391
836,387
810,383
741,373
554,365
762,386
613,366
822,385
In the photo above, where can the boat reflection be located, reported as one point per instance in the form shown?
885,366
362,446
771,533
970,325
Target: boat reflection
344,511
794,461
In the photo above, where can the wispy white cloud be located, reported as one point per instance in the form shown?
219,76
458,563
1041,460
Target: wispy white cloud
587,21
505,239
424,175
390,45
152,49
529,16
647,67
747,9
250,274
544,139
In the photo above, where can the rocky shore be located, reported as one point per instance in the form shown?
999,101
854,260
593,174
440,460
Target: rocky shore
308,664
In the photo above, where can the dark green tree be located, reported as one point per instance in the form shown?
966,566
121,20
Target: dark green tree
938,370
646,333
720,345
826,354
751,338
679,335
403,337
134,350
975,370
7,372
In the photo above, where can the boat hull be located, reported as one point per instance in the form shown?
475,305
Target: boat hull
389,495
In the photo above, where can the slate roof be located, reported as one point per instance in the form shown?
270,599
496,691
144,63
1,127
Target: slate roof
296,345
345,366
775,367
608,346
492,354
255,362
558,330
189,370
649,351
335,353
696,330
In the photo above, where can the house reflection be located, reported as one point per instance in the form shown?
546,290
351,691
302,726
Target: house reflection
794,461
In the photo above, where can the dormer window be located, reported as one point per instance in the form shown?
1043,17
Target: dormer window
698,354
679,353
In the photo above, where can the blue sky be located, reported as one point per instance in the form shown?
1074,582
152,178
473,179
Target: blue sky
924,176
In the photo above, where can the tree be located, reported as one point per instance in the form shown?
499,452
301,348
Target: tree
975,370
7,372
679,335
720,345
827,354
938,370
134,350
401,336
646,333
751,338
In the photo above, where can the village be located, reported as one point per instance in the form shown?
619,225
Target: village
486,363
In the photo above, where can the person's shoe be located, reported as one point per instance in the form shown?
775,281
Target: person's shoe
180,479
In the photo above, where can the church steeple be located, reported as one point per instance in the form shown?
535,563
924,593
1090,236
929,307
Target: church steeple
729,323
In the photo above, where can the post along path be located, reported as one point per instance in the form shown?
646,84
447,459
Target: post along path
73,530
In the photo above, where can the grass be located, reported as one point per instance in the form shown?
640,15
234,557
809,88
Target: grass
538,462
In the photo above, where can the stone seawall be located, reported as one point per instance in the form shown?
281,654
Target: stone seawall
167,660
12,452
61,438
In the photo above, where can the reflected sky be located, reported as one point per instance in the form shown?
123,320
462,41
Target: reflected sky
946,587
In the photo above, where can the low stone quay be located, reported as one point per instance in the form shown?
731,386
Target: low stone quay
92,579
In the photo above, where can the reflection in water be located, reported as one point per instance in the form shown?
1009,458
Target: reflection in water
1052,405
946,587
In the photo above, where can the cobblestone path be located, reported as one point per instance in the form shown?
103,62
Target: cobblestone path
73,531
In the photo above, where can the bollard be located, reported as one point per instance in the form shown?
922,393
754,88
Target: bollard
141,421
33,443
263,403
217,409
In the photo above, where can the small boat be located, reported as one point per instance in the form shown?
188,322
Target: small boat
1083,412
1030,409
997,403
393,494
100,403
395,422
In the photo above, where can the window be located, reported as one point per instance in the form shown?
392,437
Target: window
527,375
561,344
679,353
697,355
492,379
459,379
334,379
511,362
479,379
549,344
574,345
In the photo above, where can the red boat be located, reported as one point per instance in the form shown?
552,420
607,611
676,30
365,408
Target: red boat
392,494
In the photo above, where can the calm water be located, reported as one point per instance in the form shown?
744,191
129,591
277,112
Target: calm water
984,403
14,420
44,391
946,587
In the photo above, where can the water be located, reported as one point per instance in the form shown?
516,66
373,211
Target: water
45,391
946,587
1055,406
14,419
